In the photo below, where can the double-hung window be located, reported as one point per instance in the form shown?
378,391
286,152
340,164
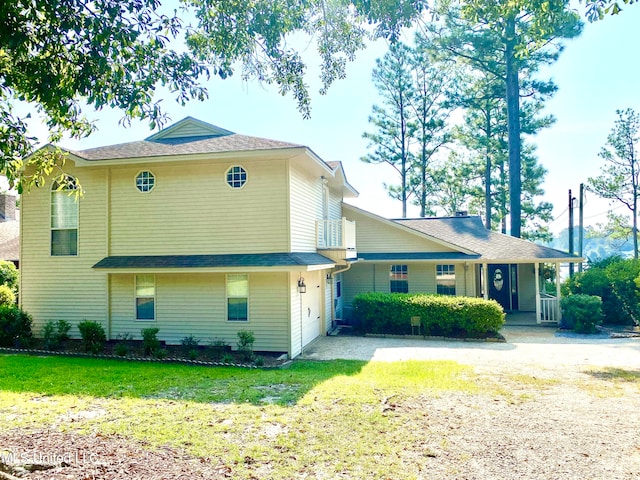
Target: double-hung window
399,279
64,218
145,297
446,279
238,297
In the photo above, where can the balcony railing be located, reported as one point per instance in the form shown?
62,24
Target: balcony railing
336,234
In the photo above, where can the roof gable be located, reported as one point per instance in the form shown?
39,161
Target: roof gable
189,127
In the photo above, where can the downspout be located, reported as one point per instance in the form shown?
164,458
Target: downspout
333,307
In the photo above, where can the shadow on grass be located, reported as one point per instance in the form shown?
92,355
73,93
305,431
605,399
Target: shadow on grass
616,374
118,379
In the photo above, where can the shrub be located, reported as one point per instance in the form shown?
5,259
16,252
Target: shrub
613,280
218,348
55,334
246,340
389,313
150,342
190,343
15,327
9,275
193,354
93,336
7,297
121,349
582,313
160,353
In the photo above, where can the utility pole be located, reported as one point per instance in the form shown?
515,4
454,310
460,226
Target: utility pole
581,226
570,232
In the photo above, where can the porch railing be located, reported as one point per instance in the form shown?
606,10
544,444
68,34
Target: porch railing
549,309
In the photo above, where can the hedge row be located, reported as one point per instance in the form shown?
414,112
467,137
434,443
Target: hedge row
390,313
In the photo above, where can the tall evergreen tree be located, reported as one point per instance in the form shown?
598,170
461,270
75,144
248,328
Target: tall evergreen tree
394,123
431,107
620,176
519,30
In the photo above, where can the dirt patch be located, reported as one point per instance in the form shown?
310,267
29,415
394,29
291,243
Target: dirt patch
53,455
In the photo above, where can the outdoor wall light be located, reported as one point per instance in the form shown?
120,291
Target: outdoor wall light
302,288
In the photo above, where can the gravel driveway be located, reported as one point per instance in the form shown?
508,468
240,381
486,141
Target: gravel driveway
570,412
525,347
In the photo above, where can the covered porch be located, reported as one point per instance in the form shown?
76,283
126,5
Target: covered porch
528,292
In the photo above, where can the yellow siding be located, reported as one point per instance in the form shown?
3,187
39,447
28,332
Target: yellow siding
67,288
192,210
377,236
335,205
305,208
195,304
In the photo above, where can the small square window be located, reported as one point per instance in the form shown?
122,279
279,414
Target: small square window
399,279
446,279
145,181
236,177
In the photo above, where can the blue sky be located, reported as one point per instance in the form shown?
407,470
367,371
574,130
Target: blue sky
598,73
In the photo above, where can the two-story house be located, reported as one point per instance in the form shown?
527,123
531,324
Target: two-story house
196,231
200,231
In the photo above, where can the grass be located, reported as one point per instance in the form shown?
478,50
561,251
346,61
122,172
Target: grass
333,419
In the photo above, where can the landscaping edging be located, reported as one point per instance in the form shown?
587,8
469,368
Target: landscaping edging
185,361
499,339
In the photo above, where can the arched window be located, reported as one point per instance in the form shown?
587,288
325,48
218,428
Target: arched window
64,218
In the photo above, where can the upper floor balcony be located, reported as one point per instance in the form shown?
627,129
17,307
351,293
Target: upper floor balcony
338,237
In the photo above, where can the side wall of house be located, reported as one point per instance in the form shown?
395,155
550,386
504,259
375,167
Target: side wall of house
195,304
64,287
192,210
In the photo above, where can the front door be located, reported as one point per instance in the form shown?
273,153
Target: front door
499,285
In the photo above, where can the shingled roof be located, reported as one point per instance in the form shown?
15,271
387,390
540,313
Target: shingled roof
290,259
188,136
469,232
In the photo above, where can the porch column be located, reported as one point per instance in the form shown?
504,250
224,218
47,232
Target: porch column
536,274
558,294
485,280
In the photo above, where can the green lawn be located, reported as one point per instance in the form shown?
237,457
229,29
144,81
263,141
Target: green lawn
333,419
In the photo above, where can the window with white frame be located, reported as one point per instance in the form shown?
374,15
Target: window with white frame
237,297
446,279
64,218
399,279
236,176
145,297
145,181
